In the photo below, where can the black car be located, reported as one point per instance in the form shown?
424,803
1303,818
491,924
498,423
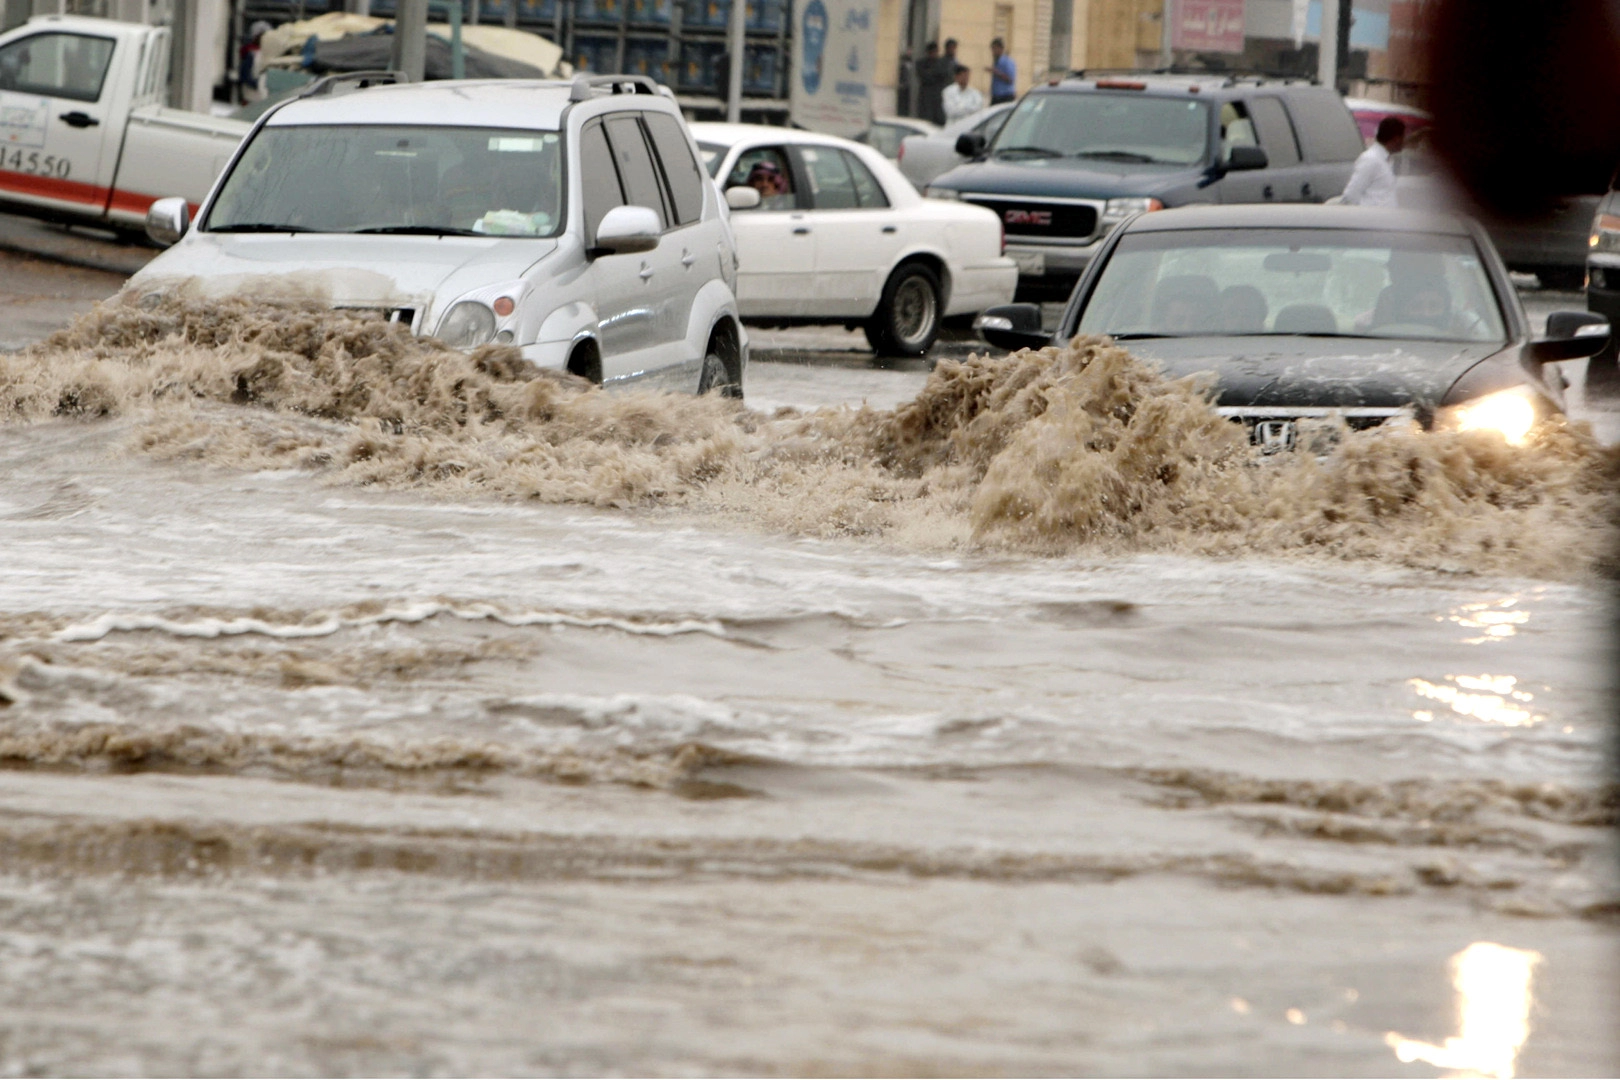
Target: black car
1075,159
1331,311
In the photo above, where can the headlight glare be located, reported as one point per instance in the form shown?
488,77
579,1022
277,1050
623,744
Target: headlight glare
1509,413
468,325
1605,234
1123,208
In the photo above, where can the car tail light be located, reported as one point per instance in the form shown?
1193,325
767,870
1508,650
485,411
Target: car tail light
900,154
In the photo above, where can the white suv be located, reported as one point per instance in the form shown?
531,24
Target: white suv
568,219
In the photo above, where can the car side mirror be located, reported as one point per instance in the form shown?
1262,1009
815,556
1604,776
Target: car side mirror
742,197
1570,336
970,144
1245,158
1013,327
626,230
167,220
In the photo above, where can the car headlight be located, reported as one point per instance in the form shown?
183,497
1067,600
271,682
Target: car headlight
1510,413
1605,234
943,193
468,325
1123,208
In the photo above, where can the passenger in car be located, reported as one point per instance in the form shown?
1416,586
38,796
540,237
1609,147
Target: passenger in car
1243,310
775,190
1184,303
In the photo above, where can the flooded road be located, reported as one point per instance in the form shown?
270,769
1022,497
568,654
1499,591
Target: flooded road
314,773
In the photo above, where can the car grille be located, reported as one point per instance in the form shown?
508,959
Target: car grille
1043,220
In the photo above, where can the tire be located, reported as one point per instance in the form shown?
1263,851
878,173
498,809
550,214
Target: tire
1562,278
716,377
909,315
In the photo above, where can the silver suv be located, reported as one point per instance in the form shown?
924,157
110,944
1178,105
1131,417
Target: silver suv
569,219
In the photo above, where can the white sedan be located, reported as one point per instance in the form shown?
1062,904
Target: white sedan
838,235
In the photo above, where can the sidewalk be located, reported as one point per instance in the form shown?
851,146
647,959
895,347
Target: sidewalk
80,245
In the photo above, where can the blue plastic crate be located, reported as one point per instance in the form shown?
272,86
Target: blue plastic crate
603,11
759,75
698,66
710,14
766,16
650,58
652,12
595,55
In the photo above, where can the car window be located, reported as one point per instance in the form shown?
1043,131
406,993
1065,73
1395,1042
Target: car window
1276,133
58,65
766,169
868,192
635,166
831,186
713,155
386,178
886,138
1236,128
680,168
1327,131
1295,281
598,177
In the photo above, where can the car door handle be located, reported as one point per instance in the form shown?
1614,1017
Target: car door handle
687,258
890,229
646,272
802,230
78,119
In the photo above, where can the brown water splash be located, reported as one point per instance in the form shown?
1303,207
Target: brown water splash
1047,451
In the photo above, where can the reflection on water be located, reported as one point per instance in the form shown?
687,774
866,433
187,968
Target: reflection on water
1493,1013
1495,622
1495,699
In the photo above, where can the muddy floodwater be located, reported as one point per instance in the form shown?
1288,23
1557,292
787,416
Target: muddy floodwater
367,708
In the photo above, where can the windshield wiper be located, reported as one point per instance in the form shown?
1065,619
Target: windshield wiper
419,230
258,226
1120,155
1035,151
1139,335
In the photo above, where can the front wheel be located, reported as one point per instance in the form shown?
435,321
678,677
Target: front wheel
908,316
717,377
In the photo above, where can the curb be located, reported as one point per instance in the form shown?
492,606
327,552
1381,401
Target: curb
74,251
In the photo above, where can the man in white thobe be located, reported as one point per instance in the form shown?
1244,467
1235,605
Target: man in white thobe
1372,181
960,98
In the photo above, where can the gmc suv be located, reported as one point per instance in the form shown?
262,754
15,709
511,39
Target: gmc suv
1076,158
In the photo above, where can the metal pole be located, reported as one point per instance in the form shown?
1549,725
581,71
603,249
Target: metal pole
1327,52
1167,22
410,39
1061,56
735,45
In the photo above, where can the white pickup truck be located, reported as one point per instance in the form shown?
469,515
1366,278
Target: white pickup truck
84,136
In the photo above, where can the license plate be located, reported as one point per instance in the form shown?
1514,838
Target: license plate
1030,263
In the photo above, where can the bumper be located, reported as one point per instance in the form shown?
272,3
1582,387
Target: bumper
974,288
1049,271
1603,297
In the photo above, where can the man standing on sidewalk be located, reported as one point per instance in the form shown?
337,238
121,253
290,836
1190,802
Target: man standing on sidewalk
960,98
1372,181
931,82
1003,74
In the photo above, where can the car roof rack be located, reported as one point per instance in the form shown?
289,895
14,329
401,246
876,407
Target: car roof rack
347,82
1180,71
585,86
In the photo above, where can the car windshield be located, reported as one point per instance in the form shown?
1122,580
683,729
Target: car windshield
1327,282
404,179
1125,127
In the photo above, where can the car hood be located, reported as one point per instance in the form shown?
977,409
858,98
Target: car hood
1063,178
382,271
1317,371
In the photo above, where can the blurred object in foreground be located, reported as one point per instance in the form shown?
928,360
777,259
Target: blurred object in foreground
1526,98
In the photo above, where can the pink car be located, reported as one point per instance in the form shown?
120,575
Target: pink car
1369,112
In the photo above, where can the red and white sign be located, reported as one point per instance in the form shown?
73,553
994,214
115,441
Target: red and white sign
1208,25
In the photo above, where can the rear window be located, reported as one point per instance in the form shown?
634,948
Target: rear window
1327,131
